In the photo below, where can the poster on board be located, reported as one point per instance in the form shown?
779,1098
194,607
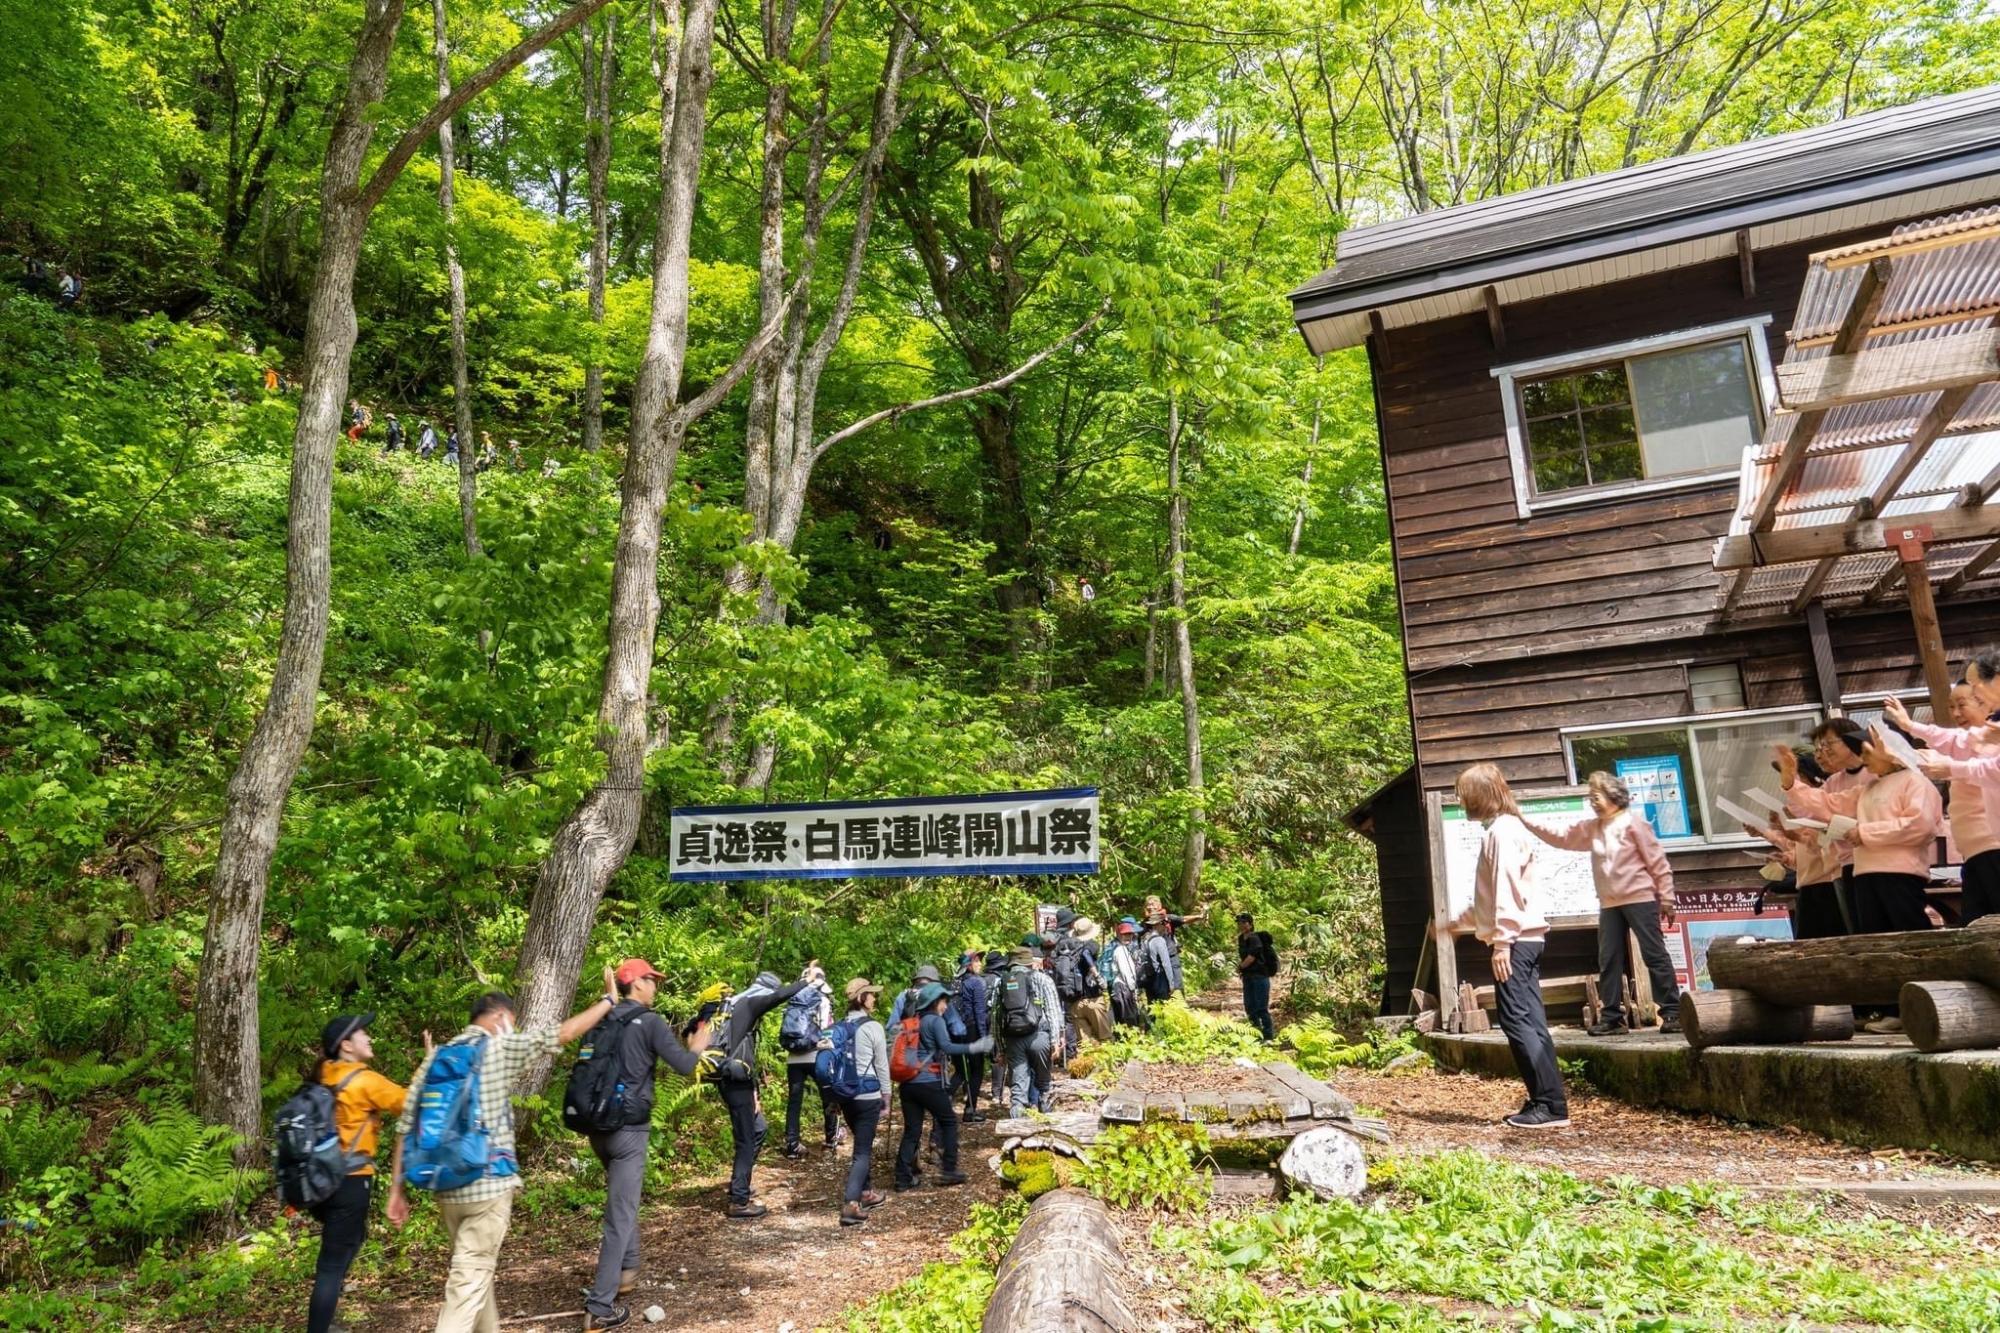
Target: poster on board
1659,793
1700,932
1568,890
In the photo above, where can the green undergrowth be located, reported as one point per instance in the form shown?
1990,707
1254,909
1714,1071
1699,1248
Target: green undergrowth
1459,1240
1179,1036
950,1295
1319,1048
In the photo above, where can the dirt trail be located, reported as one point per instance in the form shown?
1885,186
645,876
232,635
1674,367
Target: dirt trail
792,1270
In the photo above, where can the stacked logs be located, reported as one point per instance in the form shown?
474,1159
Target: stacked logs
1781,991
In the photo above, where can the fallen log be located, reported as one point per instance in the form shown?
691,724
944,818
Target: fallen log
1951,1015
1063,1273
1856,969
1741,1018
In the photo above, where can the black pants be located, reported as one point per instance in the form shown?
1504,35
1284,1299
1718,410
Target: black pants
1817,915
862,1117
1889,902
1643,921
343,1223
920,1099
970,1073
1982,888
746,1128
796,1078
1526,1023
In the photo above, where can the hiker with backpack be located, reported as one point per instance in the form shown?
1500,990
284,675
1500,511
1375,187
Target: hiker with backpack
1072,965
1159,972
1128,1009
1256,963
995,968
852,1069
457,1141
610,1100
393,431
973,1016
918,1061
1028,1013
427,442
325,1158
802,1033
729,1024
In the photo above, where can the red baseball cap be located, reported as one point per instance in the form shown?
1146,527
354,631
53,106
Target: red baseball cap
632,969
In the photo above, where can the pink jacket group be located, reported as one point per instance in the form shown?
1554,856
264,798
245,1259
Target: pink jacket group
1975,784
1897,820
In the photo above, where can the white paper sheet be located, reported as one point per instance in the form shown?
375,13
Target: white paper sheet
1792,823
1895,744
1750,819
1774,804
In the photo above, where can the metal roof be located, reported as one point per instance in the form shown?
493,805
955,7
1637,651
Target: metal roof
1674,202
1887,461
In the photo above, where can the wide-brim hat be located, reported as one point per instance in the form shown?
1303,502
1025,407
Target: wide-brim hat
928,972
929,996
859,987
1085,929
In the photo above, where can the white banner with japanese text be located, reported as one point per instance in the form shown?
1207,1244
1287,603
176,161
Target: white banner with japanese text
999,833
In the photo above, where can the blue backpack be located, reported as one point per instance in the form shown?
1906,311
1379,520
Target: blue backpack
835,1070
798,1031
450,1146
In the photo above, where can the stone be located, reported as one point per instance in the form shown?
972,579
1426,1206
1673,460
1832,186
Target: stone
655,1315
1327,1162
1408,1061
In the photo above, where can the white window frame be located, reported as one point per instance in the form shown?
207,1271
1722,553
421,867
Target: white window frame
1809,716
1764,388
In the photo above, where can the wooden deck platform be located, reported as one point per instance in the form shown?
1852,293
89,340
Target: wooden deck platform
1876,1091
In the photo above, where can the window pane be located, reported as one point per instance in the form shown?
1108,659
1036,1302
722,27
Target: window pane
1696,410
1602,387
1615,462
1659,768
1560,472
1547,397
1736,756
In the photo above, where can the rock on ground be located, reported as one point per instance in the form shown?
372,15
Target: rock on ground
1327,1162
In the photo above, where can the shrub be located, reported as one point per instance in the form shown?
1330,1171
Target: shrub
1156,1165
33,1139
171,1172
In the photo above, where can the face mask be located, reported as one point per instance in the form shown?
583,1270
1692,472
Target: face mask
506,1028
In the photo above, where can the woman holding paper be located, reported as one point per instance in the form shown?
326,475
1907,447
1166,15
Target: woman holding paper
1635,894
1956,749
1508,917
1892,823
1837,747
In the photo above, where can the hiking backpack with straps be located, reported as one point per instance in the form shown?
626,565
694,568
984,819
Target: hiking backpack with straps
835,1068
450,1146
603,1093
1074,977
906,1054
799,1030
309,1161
1267,954
1020,1013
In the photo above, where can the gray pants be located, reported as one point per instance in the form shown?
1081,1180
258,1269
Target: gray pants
623,1152
1027,1064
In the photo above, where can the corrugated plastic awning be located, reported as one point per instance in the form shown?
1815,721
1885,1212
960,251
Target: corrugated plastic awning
1888,420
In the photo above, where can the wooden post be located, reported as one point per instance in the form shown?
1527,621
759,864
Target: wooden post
1908,544
1856,969
1824,671
1645,1011
1738,1018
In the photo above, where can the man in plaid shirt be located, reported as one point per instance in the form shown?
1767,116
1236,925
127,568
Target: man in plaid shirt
476,1215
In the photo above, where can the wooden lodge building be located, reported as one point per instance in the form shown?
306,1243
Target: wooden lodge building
1648,498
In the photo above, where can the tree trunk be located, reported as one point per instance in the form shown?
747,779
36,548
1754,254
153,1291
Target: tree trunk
1951,1015
1064,1271
1189,889
461,394
1856,969
227,1082
1305,483
228,1088
600,74
593,842
1738,1018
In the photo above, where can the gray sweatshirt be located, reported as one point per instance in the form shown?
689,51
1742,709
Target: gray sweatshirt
871,1052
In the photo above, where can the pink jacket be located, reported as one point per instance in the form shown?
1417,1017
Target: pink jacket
1504,906
1822,865
1971,795
1626,861
1899,817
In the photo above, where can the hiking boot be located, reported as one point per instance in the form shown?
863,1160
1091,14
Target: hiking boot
1670,1023
910,1184
1883,1025
745,1212
951,1178
975,1117
1609,1028
795,1152
852,1216
1537,1117
872,1199
620,1316
628,1281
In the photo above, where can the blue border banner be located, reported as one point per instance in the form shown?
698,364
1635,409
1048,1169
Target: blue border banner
991,833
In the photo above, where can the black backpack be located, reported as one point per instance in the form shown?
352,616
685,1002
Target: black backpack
603,1093
309,1161
1267,954
1019,1013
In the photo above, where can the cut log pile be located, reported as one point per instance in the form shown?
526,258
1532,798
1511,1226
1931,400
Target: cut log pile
1947,983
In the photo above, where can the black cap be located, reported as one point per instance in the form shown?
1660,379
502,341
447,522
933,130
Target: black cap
340,1029
1244,918
1064,918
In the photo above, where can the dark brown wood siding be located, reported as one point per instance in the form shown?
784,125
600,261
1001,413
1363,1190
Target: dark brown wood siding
1403,869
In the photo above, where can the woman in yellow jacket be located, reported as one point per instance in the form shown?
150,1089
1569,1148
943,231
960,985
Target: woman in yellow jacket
361,1099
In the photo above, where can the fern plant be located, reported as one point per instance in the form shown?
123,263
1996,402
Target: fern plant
33,1139
171,1172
